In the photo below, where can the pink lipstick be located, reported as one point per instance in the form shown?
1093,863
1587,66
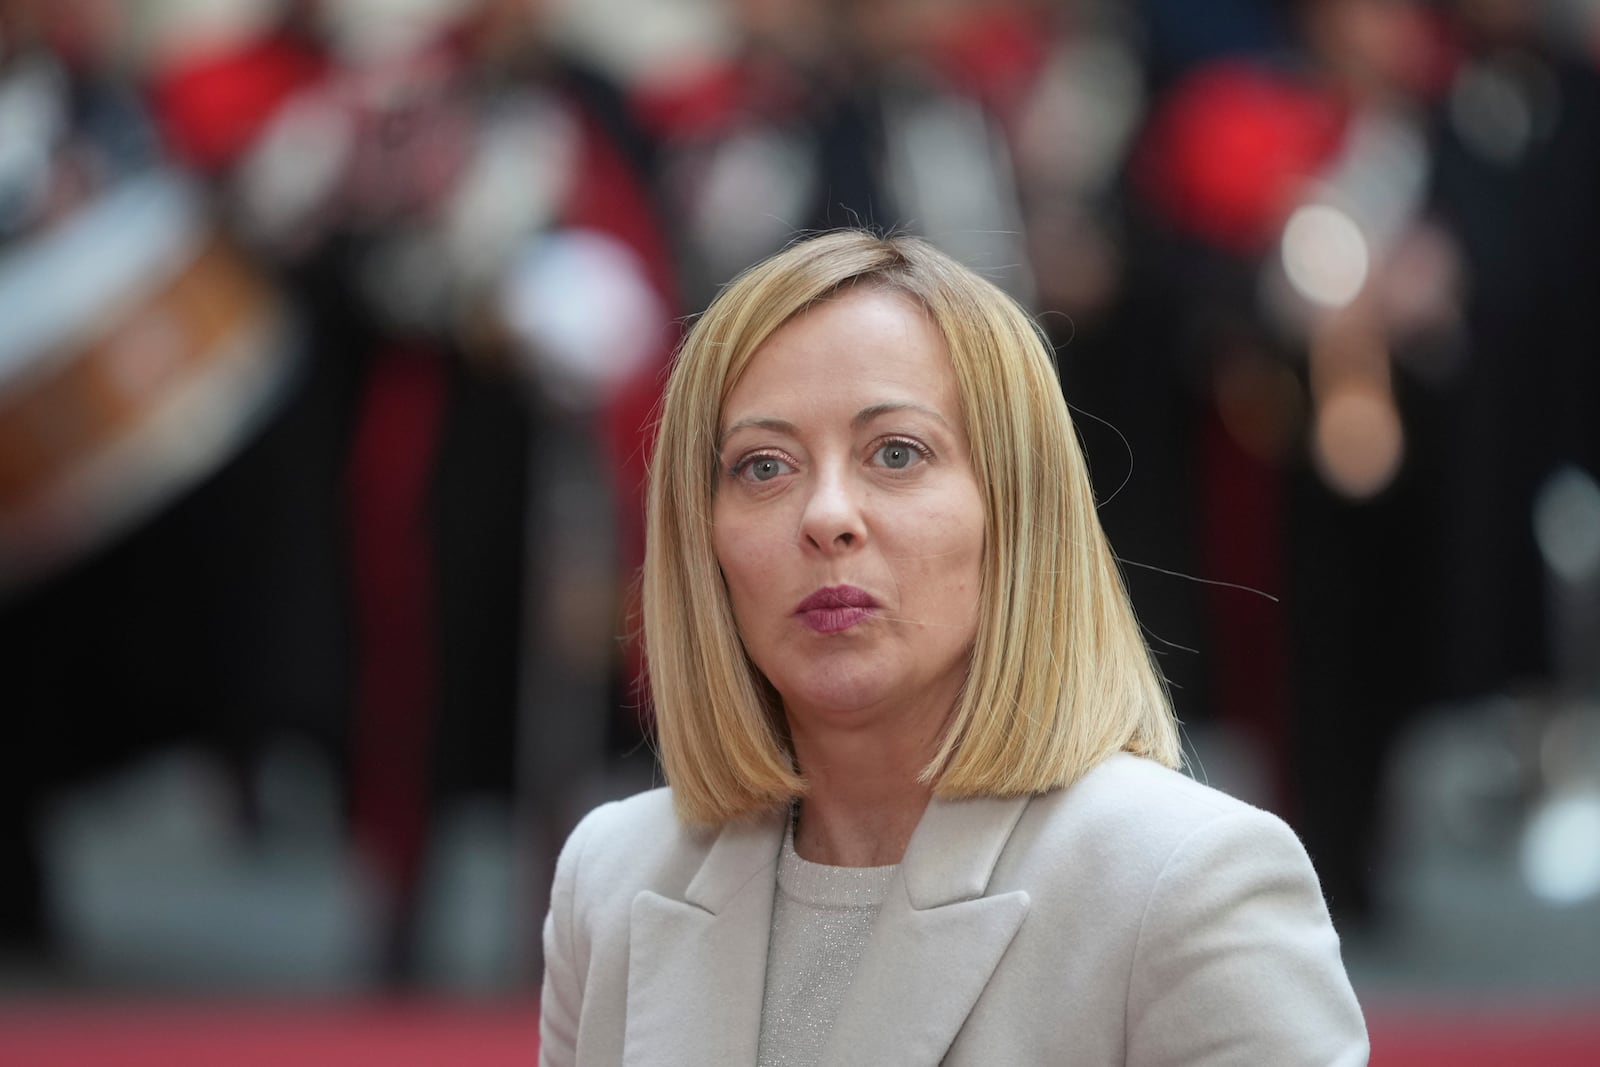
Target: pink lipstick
835,609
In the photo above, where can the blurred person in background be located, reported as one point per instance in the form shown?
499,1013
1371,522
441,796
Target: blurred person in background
1368,255
143,351
468,216
413,567
1292,274
885,113
1516,141
1070,125
1515,571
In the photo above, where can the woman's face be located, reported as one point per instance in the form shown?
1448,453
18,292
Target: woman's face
847,520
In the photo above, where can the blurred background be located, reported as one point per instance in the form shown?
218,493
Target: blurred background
330,332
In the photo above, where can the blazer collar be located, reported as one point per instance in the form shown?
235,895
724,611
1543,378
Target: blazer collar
697,966
741,851
952,854
937,939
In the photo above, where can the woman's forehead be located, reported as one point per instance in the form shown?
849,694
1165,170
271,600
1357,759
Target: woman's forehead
873,347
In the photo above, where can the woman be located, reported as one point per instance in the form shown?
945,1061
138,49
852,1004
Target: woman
921,804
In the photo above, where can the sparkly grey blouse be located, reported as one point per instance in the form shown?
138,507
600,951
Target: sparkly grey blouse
821,919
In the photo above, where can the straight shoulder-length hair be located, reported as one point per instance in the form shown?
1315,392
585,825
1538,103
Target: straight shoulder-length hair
1060,675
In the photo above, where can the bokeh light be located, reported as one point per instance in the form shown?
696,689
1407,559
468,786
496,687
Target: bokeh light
1325,255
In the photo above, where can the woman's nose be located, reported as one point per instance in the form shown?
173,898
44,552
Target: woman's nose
833,518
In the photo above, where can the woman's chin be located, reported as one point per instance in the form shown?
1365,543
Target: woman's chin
835,702
846,705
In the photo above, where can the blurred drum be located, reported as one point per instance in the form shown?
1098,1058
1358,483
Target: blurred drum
138,350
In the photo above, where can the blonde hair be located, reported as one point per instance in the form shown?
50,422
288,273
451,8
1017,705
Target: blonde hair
1060,674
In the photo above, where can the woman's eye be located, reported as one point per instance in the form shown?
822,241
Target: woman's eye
762,468
898,455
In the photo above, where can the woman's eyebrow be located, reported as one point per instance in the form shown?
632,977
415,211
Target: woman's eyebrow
867,414
862,417
759,422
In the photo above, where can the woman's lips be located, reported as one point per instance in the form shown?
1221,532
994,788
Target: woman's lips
836,608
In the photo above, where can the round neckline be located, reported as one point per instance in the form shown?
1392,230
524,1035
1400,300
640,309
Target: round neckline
824,885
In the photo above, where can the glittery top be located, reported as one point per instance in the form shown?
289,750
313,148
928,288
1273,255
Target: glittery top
822,917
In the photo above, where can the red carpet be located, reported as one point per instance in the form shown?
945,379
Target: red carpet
1486,1035
340,1034
429,1033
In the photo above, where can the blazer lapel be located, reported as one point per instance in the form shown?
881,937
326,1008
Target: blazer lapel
936,941
697,966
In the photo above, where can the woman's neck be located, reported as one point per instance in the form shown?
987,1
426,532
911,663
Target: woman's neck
864,799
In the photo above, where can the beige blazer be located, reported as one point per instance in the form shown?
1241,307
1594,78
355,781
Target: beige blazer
1136,918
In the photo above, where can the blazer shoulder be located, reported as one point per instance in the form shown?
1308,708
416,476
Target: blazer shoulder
642,814
634,843
1126,790
1131,814
1207,906
1234,948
